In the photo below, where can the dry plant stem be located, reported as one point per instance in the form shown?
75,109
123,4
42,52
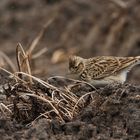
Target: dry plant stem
68,112
9,62
25,57
74,97
40,81
10,105
45,100
81,98
38,38
44,115
16,77
68,97
53,95
18,61
5,107
60,103
69,116
20,50
70,102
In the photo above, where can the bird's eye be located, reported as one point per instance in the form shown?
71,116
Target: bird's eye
76,67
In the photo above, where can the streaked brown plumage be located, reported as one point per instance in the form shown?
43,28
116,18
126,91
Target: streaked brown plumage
102,70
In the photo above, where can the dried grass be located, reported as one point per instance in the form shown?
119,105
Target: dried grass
31,98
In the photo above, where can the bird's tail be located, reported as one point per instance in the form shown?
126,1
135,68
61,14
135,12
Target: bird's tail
133,61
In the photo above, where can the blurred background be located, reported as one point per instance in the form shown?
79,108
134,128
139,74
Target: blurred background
86,28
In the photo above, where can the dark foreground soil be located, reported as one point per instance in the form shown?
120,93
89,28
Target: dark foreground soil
82,27
112,113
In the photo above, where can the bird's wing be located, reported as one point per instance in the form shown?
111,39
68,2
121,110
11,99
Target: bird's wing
104,66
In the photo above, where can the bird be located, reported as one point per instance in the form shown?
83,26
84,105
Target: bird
102,70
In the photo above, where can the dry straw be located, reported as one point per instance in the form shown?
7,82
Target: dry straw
32,98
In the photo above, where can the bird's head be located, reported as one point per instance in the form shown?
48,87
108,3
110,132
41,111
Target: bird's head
76,64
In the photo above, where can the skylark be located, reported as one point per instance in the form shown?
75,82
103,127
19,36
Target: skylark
102,70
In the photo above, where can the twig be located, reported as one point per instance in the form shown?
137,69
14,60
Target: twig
25,58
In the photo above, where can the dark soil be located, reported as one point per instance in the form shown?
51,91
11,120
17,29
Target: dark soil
83,27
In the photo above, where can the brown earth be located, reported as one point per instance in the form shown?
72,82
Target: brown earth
82,27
